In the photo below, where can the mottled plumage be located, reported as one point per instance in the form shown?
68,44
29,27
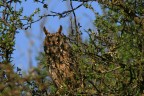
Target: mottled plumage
57,50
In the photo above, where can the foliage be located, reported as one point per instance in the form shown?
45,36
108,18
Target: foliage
12,19
117,48
110,62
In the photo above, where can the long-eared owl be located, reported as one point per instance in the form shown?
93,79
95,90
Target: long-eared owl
57,50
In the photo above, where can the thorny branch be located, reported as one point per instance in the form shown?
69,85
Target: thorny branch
61,15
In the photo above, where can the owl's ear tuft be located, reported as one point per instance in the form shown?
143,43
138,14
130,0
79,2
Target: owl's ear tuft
45,31
60,29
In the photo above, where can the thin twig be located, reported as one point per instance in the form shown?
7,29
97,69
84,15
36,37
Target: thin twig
75,22
61,15
65,13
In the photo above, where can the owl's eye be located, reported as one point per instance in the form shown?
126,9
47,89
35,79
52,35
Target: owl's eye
59,38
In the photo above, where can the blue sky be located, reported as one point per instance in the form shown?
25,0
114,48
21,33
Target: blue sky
31,40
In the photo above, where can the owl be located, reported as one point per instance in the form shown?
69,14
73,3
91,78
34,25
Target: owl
60,64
